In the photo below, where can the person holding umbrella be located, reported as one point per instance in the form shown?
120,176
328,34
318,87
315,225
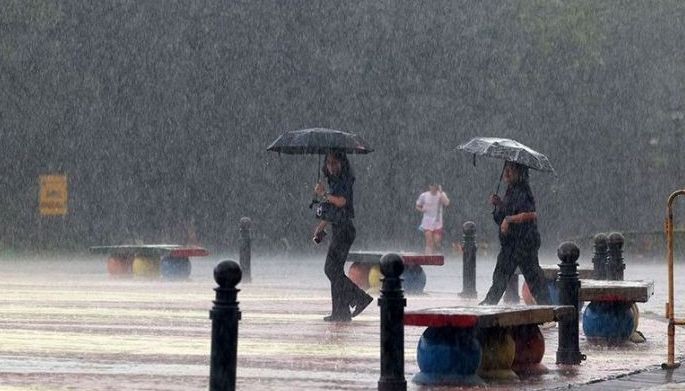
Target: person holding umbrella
334,207
519,237
337,208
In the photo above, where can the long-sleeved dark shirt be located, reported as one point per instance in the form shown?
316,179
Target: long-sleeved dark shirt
517,199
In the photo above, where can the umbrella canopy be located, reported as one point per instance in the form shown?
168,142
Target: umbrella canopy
509,150
319,141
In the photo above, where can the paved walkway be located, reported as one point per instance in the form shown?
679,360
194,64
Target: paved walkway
83,330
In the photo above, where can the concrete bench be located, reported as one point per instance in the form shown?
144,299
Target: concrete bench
365,268
550,271
612,315
170,261
464,345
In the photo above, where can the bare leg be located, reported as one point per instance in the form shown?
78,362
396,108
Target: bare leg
429,241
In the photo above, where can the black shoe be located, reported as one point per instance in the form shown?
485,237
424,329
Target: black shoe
337,318
361,305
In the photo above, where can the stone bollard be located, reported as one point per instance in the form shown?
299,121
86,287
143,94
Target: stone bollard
615,265
225,315
245,248
392,303
469,250
568,351
599,259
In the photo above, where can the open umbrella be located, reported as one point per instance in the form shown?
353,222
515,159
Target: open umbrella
319,141
507,150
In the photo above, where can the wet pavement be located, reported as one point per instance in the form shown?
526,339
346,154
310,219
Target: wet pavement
65,324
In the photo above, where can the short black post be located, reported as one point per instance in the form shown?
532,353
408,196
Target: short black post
245,248
392,303
469,249
225,315
615,265
599,258
568,351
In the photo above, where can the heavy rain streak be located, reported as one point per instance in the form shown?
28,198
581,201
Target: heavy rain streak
147,123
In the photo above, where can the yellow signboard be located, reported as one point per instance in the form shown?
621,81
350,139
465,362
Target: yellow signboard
53,195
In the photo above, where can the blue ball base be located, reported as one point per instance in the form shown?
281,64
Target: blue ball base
414,279
172,268
447,355
608,321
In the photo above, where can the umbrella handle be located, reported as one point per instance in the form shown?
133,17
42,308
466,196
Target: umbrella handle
500,179
499,183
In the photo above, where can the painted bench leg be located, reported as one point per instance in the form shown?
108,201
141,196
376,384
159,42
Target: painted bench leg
552,289
608,322
359,274
145,266
172,268
530,349
448,356
414,279
120,265
499,350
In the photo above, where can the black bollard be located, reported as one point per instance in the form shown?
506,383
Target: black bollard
615,265
599,259
245,248
469,249
392,303
225,315
568,351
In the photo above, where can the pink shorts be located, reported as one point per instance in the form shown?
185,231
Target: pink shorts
434,231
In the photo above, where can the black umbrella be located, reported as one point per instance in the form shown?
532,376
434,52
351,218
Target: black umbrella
319,141
508,150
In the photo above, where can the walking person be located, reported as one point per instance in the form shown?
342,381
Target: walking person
519,237
431,203
337,209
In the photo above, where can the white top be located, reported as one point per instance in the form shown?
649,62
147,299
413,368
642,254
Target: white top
432,209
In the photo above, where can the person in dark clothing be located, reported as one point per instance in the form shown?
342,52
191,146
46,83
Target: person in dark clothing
337,208
518,235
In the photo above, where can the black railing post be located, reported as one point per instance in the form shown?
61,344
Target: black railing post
568,351
469,250
225,315
615,265
599,258
245,248
392,303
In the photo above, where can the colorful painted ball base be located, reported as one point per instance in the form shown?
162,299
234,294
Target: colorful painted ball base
174,268
145,266
375,276
446,351
499,350
608,321
530,349
552,289
119,266
414,279
359,274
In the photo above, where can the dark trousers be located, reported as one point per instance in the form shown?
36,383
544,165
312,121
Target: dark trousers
344,292
525,256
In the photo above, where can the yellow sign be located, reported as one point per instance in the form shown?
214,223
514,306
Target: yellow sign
53,195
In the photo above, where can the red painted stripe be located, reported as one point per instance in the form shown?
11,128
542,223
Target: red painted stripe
440,320
421,259
610,297
189,252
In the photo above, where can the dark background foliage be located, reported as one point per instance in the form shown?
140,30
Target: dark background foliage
160,111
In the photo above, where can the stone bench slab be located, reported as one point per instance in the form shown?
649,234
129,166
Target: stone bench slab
487,316
603,290
374,258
